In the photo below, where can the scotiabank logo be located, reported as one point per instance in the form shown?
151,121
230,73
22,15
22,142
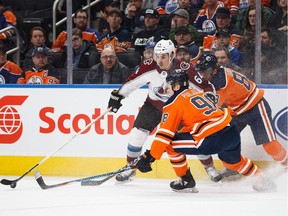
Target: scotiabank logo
66,123
10,122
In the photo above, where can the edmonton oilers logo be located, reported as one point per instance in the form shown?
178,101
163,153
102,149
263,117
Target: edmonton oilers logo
280,123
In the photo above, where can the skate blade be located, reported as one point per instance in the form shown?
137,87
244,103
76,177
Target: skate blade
187,190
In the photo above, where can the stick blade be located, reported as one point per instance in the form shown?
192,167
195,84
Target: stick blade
40,180
6,182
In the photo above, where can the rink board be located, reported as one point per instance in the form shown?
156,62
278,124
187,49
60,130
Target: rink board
44,118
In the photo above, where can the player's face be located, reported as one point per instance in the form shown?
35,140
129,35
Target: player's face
163,61
207,73
169,89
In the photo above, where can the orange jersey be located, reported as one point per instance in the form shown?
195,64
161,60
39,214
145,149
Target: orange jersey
210,42
198,114
236,91
38,77
61,40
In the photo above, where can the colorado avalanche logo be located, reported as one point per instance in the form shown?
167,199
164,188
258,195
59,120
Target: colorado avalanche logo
280,123
184,65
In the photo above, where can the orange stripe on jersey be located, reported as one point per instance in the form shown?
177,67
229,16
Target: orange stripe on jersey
178,162
266,122
186,143
212,126
244,167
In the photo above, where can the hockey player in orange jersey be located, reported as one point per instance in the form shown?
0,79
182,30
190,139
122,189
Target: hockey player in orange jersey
247,102
206,130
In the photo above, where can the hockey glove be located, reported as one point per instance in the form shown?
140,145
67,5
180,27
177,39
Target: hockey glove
145,161
115,101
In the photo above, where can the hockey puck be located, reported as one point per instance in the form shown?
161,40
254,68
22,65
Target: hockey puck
13,184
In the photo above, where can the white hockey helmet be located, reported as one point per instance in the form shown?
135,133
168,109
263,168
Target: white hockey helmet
164,46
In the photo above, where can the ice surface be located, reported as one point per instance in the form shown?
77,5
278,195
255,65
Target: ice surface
149,197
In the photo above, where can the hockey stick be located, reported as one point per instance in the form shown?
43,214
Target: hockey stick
13,183
108,175
97,182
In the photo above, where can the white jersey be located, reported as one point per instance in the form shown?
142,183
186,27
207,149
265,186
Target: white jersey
150,74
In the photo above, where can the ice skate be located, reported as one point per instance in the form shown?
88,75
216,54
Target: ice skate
213,174
185,184
230,175
126,176
263,184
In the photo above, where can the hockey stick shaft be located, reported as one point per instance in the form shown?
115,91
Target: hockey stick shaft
9,182
108,175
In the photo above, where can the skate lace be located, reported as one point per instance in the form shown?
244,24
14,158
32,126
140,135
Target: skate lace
180,182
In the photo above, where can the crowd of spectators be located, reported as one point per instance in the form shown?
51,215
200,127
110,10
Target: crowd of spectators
226,27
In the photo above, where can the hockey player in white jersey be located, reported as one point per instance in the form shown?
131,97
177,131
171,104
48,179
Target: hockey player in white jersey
152,72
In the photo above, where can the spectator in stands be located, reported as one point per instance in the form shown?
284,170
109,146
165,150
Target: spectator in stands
248,40
80,21
7,18
108,71
117,37
223,39
206,19
149,50
273,59
37,35
84,52
223,20
9,71
184,37
103,24
223,58
243,17
134,20
41,72
181,18
183,54
152,32
279,19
